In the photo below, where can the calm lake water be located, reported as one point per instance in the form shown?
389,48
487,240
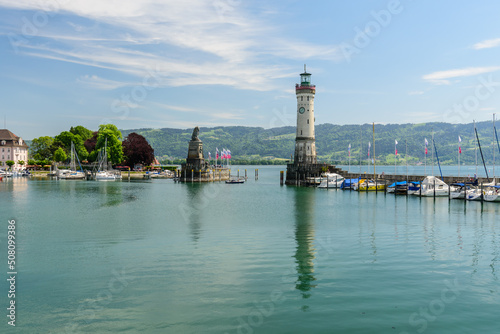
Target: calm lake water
164,257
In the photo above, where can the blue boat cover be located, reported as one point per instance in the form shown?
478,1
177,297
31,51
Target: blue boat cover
402,183
348,183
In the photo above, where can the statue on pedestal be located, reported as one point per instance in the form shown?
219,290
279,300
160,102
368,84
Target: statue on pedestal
194,136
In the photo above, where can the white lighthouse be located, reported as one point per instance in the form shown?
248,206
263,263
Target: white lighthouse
305,142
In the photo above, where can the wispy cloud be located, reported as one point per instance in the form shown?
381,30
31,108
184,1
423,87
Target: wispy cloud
175,108
96,82
441,77
227,115
416,92
189,42
489,43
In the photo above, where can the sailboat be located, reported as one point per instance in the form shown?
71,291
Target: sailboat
477,194
72,173
431,185
103,174
492,194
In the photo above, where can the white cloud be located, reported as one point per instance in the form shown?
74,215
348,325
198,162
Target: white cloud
226,115
489,43
440,77
96,82
416,92
192,43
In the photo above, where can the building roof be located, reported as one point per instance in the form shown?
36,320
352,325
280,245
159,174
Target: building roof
7,135
10,137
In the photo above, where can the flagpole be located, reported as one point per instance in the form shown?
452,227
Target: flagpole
395,156
425,159
349,170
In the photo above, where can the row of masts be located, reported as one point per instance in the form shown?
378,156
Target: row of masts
477,145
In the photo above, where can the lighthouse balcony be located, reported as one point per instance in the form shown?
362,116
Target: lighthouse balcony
305,87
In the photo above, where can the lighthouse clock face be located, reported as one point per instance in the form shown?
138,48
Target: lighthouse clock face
301,110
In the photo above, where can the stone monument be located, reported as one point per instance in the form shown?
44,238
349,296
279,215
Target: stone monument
195,157
196,169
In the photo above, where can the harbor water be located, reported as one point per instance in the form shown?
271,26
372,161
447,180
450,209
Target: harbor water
157,256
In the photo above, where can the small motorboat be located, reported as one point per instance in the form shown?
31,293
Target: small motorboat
331,180
235,181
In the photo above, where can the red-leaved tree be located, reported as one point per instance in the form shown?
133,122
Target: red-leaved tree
137,150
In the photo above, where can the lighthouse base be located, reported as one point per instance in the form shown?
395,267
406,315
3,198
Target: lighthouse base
301,174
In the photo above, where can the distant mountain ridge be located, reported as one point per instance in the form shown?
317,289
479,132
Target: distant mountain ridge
332,141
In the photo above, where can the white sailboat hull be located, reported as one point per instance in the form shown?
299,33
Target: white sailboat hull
331,181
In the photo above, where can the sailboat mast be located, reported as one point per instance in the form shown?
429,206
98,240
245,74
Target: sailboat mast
494,146
482,157
437,158
374,160
406,157
360,147
432,151
475,145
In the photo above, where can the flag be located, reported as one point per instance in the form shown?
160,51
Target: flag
459,147
426,143
396,147
369,147
228,154
349,149
209,156
216,153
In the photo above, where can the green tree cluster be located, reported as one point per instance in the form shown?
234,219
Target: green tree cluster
45,149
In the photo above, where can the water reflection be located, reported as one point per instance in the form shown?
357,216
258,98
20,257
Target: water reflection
304,236
193,206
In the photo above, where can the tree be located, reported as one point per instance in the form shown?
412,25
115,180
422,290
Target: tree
21,162
32,162
40,148
91,142
109,133
137,150
66,138
9,163
81,131
60,155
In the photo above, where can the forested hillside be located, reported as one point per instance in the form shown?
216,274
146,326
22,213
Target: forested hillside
332,141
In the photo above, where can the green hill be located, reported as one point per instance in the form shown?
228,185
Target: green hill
332,141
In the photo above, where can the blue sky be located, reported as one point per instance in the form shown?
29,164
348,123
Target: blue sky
157,63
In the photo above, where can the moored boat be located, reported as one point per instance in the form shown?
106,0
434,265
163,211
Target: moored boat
331,180
458,190
369,185
492,194
348,184
433,187
235,181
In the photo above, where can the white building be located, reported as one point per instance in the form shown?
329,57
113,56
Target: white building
305,141
12,148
